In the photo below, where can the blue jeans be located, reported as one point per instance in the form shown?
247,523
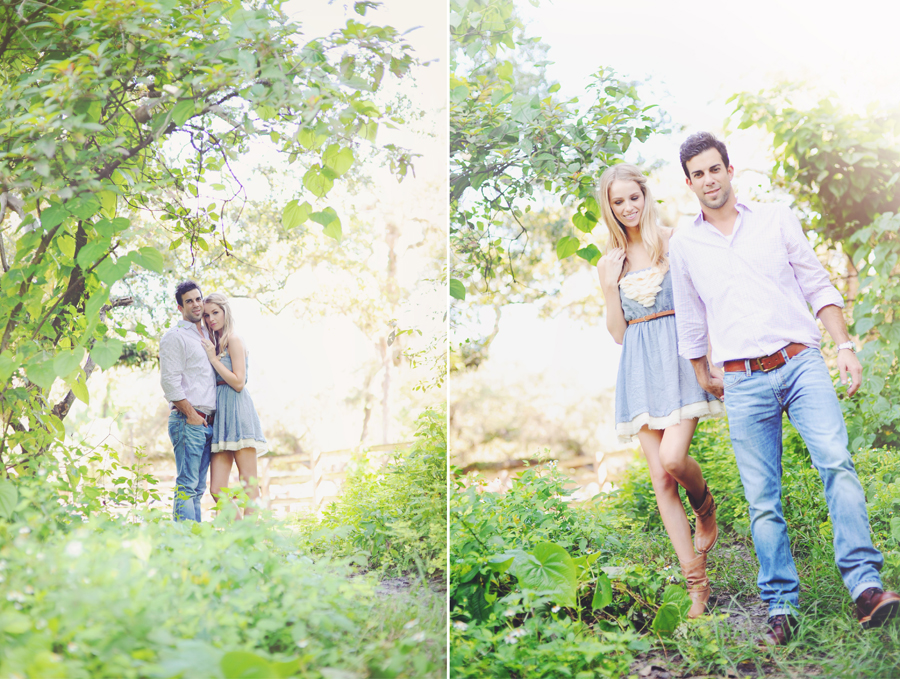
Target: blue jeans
803,389
192,444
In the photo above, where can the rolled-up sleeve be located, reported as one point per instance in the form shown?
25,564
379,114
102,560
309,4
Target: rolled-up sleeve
690,312
814,282
171,366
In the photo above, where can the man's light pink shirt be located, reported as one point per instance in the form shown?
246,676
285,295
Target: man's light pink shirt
750,294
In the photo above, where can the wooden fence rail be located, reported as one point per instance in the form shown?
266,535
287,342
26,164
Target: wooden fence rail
305,480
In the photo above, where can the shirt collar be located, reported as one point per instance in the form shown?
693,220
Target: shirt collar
741,206
186,324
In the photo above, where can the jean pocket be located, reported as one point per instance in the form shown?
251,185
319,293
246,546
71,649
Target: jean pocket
731,379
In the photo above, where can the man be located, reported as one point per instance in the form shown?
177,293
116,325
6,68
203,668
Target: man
743,275
189,384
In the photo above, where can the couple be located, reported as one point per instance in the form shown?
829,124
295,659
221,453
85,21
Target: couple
213,423
734,285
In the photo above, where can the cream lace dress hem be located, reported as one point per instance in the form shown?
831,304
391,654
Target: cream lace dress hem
703,410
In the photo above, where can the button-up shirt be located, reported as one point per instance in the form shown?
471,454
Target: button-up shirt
185,370
748,294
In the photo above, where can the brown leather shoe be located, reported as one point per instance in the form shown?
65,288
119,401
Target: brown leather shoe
706,532
694,572
874,607
781,629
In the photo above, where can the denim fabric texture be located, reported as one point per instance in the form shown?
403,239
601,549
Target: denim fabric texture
803,389
653,380
191,443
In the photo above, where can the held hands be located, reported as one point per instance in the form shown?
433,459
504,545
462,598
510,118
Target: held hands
610,267
209,347
715,386
849,364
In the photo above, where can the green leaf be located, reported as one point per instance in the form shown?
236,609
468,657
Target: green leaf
97,300
602,592
65,362
549,568
9,496
246,665
109,271
8,364
41,371
91,252
318,183
500,563
590,254
584,222
106,352
79,387
53,215
338,159
554,88
295,213
183,111
333,230
150,259
108,201
566,247
895,528
667,619
457,289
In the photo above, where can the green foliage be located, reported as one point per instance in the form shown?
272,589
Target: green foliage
510,140
96,98
841,167
873,415
147,597
534,579
394,518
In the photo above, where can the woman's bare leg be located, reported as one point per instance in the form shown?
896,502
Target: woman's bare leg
665,487
246,464
673,455
219,471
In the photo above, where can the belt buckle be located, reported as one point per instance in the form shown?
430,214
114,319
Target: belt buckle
762,366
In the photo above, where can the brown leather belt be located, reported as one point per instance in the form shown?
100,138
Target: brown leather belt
209,419
659,314
765,363
220,383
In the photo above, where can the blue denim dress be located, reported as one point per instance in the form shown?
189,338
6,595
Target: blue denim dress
236,425
655,386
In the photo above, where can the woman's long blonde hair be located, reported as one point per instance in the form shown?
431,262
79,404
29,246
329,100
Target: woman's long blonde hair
222,336
649,224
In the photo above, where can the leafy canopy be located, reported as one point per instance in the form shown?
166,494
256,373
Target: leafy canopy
94,96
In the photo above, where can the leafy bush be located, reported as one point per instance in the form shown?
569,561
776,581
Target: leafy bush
86,591
395,517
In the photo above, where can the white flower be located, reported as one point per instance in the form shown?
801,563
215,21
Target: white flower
411,624
74,548
460,625
24,530
303,643
418,637
15,596
555,609
72,648
510,639
643,286
509,613
29,589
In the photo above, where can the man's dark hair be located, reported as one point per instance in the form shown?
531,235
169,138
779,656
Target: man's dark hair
697,144
183,287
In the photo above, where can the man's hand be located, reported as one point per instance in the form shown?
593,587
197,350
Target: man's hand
715,386
849,364
710,382
195,418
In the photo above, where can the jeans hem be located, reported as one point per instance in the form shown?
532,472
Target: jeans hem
782,610
862,587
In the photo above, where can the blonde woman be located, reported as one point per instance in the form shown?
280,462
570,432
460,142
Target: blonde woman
658,398
237,435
